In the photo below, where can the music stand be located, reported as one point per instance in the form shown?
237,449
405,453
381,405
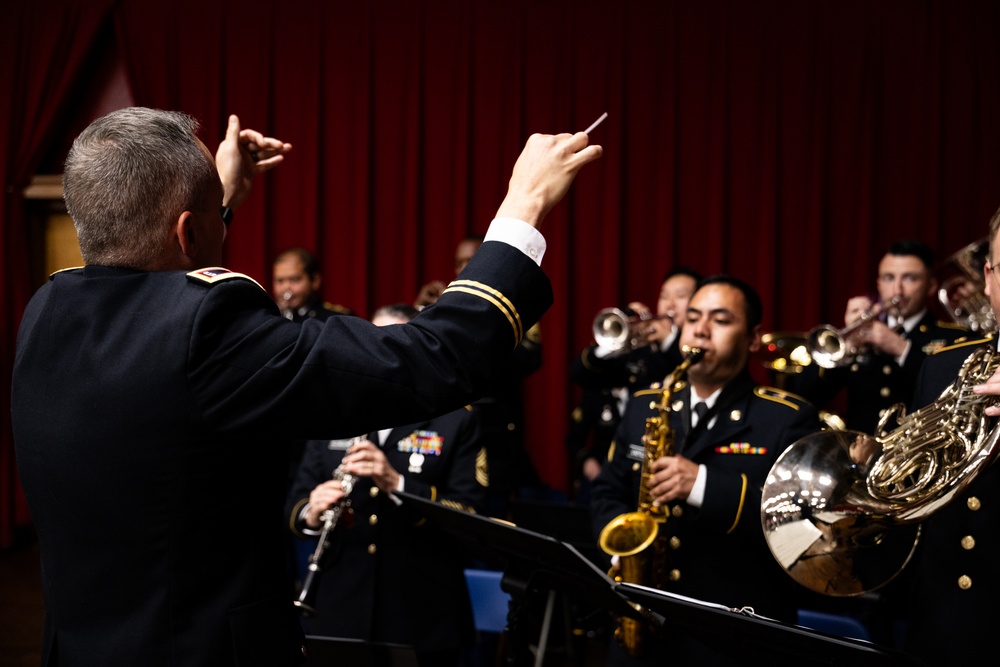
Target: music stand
533,564
334,651
748,636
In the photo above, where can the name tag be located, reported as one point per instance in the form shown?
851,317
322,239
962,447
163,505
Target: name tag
636,452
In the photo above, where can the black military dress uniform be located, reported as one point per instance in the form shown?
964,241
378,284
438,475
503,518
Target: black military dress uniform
954,577
875,381
388,575
717,552
134,391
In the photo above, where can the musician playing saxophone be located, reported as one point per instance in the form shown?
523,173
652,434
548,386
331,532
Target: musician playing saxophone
387,575
711,483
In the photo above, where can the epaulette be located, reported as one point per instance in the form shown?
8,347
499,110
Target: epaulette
961,342
215,274
68,268
779,396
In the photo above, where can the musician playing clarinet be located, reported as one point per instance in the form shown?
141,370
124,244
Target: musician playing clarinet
388,576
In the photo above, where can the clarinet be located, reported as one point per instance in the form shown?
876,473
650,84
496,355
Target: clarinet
330,517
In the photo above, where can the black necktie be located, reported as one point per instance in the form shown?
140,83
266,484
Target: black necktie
700,409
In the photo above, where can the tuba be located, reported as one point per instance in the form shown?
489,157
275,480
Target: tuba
630,536
841,509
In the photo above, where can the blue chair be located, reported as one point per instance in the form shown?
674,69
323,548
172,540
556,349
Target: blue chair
834,624
489,602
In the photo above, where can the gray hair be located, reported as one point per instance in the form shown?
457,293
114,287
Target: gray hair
128,177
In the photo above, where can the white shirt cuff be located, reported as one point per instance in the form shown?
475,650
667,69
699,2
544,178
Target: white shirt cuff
697,495
519,234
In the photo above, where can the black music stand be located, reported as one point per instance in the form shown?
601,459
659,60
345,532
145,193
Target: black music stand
533,565
748,637
337,651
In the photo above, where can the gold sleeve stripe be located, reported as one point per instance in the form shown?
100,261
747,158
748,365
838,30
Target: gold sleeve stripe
611,451
496,298
739,510
294,515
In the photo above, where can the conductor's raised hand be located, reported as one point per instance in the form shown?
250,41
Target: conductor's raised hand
241,156
543,173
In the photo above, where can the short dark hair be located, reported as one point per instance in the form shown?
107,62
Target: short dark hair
913,248
403,311
751,300
309,262
682,271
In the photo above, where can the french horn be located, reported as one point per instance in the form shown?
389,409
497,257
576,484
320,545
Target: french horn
841,510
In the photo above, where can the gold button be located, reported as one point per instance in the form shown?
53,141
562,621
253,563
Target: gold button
965,582
633,379
652,405
968,542
735,416
373,520
675,575
675,542
372,549
511,426
676,511
854,368
677,406
635,467
655,385
887,370
373,491
973,503
884,392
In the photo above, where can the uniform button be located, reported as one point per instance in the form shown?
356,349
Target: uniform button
511,426
675,575
635,467
735,416
675,542
854,368
677,406
965,582
973,503
532,252
372,549
676,511
373,520
884,392
373,491
887,370
652,405
968,542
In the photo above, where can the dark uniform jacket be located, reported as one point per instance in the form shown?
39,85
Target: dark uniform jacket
875,382
318,309
146,408
635,369
718,553
954,574
388,575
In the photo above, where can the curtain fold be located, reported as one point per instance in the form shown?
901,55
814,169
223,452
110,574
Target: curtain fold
787,143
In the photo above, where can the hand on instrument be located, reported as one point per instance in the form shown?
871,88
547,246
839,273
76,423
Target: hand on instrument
322,498
241,156
990,388
856,307
672,478
591,468
367,460
543,173
653,328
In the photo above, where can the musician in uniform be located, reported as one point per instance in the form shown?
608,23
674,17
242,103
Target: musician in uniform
388,575
953,576
711,484
150,394
297,284
892,345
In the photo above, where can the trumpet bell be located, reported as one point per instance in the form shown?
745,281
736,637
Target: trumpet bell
827,346
823,526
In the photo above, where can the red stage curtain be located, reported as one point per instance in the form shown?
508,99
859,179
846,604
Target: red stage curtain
44,45
787,143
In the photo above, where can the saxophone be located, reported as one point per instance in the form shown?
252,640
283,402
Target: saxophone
633,536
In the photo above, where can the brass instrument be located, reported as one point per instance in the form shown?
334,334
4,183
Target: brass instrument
617,331
630,536
830,348
963,295
840,510
330,517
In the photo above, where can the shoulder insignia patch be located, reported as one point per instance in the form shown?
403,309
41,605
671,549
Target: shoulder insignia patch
214,274
963,343
778,396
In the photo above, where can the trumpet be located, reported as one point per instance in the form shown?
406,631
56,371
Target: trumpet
330,517
617,330
829,346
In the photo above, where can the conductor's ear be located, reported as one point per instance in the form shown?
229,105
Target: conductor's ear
185,234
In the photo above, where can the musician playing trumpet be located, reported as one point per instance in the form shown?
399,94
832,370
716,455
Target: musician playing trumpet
711,483
888,348
387,575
